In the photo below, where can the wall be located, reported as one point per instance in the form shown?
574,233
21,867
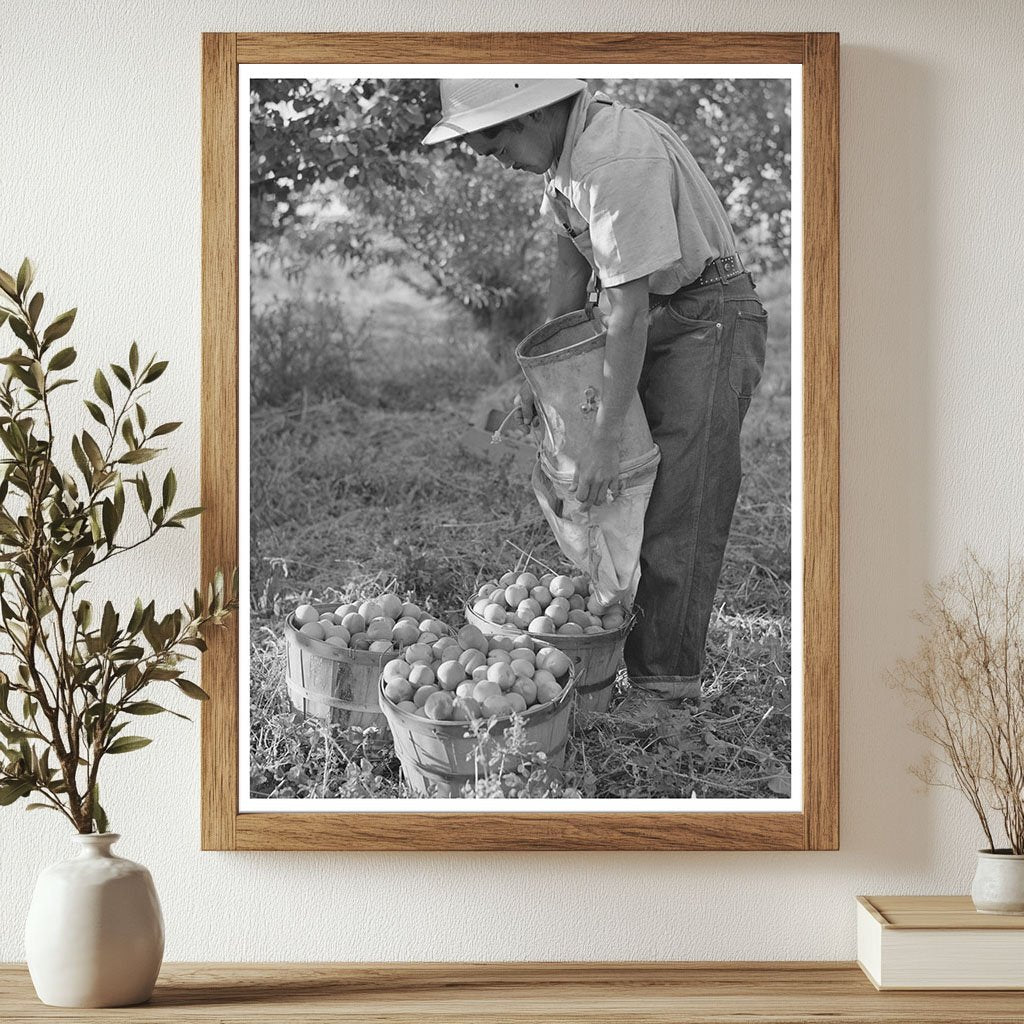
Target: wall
100,175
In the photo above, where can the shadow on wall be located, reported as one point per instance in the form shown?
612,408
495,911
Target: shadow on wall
888,143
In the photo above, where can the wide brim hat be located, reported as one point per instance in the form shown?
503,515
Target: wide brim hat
471,104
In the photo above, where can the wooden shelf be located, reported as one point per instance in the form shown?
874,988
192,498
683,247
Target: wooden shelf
523,993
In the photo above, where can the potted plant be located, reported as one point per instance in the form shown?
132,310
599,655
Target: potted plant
79,671
967,680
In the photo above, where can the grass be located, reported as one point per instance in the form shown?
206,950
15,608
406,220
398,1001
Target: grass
370,488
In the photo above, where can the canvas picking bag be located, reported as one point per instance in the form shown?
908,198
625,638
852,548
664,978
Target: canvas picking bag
564,364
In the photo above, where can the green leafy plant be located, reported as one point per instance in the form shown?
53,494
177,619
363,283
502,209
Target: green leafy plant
81,674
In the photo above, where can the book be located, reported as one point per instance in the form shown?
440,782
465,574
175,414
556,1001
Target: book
938,942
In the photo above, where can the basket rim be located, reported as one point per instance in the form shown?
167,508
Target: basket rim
326,650
322,649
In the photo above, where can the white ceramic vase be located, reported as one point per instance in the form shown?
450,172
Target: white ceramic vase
95,933
999,882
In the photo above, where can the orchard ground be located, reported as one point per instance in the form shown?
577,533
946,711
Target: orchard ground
360,483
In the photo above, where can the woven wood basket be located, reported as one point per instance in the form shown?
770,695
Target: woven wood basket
595,657
334,684
440,758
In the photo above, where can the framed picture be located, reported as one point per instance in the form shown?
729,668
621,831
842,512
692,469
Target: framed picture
423,659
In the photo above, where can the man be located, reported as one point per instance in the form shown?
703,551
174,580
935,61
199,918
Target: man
631,208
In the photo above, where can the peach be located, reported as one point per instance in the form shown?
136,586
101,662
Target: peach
421,675
471,638
313,630
380,628
502,674
354,623
404,633
396,669
495,613
562,586
466,709
516,702
419,698
439,706
522,667
547,692
398,690
470,659
486,689
527,689
555,661
450,674
496,707
303,614
418,653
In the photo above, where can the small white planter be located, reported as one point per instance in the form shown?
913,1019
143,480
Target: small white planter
95,933
999,883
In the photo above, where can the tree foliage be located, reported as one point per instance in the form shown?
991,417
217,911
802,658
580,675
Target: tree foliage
81,670
347,136
338,169
738,130
477,234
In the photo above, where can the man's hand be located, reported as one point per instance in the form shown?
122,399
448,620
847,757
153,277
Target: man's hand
524,403
597,472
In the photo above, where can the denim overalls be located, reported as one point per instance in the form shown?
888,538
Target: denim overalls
705,354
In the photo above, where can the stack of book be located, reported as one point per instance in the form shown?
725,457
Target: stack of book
938,942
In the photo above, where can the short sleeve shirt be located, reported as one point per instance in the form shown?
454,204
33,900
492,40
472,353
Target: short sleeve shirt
633,199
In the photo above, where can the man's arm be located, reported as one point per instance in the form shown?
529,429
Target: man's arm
625,346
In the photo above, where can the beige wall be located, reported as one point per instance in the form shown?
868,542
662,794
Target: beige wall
99,182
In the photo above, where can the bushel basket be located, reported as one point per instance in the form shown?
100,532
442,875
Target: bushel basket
439,759
595,656
334,684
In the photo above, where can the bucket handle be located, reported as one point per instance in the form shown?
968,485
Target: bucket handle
498,436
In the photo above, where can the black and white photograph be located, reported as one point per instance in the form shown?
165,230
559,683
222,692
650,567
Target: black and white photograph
520,503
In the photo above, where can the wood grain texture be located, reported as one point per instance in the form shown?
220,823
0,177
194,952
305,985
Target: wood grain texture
818,826
524,993
521,47
492,831
219,430
821,440
936,912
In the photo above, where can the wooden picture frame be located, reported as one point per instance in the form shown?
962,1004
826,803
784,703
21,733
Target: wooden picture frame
816,826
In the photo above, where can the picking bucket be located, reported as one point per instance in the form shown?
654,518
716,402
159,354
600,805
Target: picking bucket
334,684
564,364
440,758
595,657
